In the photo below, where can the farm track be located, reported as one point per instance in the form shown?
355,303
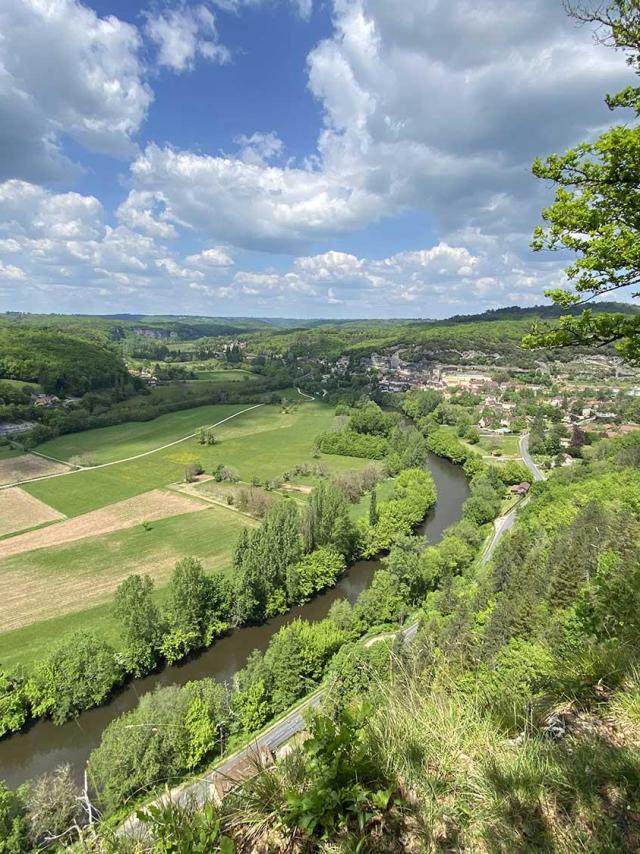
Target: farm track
73,471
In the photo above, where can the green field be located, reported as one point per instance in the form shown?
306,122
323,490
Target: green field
231,376
264,442
135,437
508,445
6,453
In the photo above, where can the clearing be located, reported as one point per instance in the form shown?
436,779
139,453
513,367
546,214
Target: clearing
19,510
148,507
27,466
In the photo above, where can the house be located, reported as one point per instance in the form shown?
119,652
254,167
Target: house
520,488
40,399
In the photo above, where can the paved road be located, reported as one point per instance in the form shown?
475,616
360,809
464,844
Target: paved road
526,456
500,527
504,523
243,764
126,459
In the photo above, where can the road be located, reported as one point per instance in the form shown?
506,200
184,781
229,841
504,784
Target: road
125,459
245,762
504,523
526,456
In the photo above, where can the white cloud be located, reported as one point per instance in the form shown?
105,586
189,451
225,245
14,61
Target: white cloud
250,205
64,71
145,212
214,257
259,147
183,33
9,271
431,106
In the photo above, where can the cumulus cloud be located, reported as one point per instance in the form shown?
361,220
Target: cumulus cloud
182,33
252,205
431,106
217,256
65,71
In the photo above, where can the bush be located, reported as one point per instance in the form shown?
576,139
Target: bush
80,673
351,444
192,471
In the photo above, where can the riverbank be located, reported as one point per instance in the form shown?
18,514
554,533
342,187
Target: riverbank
45,746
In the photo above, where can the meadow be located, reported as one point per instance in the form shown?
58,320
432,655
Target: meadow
262,443
70,585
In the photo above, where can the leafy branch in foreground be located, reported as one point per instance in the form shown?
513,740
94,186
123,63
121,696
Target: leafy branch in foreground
595,213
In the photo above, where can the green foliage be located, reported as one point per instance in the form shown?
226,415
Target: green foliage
183,830
316,571
170,732
81,672
14,836
137,614
60,363
262,559
349,443
342,788
14,706
593,214
198,608
414,494
326,520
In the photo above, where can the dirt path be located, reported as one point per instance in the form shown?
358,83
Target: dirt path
125,459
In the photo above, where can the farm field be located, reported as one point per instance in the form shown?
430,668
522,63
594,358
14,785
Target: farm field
19,466
74,576
234,375
263,442
148,507
107,444
63,575
19,510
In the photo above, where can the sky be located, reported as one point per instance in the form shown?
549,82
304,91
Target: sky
286,158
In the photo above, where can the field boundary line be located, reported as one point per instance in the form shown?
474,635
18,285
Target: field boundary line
126,459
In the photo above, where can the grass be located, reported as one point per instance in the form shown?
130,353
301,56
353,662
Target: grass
507,444
263,442
384,490
234,375
7,453
66,580
107,444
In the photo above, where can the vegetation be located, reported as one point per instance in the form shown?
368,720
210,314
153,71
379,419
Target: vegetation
593,214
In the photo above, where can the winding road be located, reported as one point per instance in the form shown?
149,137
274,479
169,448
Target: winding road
504,523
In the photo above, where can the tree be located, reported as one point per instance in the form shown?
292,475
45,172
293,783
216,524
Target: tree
594,213
53,805
191,472
14,837
373,508
198,608
81,672
136,612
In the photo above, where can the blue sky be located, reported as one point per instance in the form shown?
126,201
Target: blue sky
321,158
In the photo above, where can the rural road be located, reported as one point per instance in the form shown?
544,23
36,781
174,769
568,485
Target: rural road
244,762
526,456
125,459
504,523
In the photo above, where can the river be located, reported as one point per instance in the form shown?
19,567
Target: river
44,746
